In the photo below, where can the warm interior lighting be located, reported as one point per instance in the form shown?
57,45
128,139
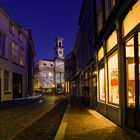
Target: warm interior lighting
50,74
63,85
53,86
68,86
100,53
132,18
112,41
101,85
130,73
113,78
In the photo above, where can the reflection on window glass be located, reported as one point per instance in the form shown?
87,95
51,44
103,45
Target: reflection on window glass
130,73
113,78
112,41
101,85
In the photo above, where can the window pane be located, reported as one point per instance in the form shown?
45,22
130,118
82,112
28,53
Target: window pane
113,78
112,41
21,56
14,52
6,81
2,44
130,73
132,18
100,53
101,85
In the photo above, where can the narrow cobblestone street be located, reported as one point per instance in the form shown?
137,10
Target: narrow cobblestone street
70,70
15,119
88,124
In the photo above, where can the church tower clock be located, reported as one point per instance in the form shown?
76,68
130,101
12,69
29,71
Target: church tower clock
59,50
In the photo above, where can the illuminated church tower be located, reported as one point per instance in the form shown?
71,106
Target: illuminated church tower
59,65
59,50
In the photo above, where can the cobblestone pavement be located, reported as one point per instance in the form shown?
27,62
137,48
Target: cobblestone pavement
87,124
15,119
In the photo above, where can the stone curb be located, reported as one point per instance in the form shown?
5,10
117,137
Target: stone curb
62,128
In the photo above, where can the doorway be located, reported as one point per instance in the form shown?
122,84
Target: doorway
132,61
17,85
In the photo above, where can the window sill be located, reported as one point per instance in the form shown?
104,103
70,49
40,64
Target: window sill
3,57
100,101
18,64
7,92
113,105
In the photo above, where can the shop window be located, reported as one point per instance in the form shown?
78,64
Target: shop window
113,78
132,18
101,85
100,53
112,41
130,73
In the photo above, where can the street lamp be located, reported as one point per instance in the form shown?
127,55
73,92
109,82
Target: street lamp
50,74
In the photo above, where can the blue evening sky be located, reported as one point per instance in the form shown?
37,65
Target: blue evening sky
47,19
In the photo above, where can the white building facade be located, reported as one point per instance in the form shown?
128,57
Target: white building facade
44,75
49,74
16,59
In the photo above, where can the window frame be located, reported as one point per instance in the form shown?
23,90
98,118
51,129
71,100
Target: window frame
6,80
3,44
21,56
101,66
15,52
112,53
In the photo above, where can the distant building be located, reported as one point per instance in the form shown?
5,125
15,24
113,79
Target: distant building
16,59
49,74
44,74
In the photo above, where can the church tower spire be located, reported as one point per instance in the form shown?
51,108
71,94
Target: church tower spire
59,49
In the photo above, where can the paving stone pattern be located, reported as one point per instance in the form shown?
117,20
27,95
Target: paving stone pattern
84,124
